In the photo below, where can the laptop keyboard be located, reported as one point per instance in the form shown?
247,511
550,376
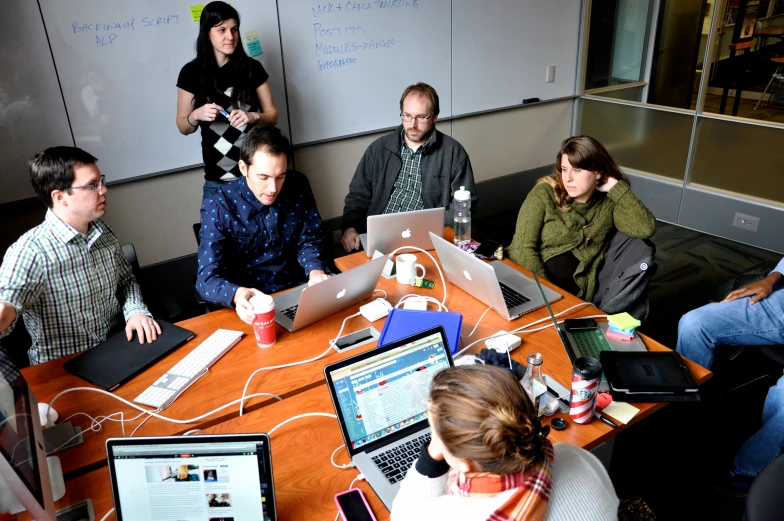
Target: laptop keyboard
290,312
395,462
512,298
591,342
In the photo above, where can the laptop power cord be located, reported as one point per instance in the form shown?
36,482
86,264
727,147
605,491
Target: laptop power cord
376,309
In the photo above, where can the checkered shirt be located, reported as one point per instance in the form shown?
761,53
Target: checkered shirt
407,195
68,286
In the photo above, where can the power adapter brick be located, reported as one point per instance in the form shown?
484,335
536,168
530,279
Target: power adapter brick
502,343
375,310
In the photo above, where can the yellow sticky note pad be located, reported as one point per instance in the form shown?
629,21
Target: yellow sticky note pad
623,321
621,411
251,36
196,12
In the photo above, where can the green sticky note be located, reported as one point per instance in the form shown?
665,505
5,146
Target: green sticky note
196,12
254,48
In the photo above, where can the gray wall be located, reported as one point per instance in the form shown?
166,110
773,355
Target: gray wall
156,214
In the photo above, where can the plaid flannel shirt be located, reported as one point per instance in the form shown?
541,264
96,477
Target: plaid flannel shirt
407,195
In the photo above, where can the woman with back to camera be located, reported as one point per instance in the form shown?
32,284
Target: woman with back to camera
224,92
568,218
489,459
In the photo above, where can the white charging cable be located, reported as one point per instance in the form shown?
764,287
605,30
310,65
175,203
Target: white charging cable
299,416
348,465
322,355
524,328
469,335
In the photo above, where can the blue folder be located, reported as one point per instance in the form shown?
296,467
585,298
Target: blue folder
406,322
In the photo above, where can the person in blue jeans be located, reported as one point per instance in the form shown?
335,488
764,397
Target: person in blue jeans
751,315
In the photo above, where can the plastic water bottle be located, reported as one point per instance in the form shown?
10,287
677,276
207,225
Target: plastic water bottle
462,209
534,385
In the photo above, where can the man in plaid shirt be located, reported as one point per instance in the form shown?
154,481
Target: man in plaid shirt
68,277
413,168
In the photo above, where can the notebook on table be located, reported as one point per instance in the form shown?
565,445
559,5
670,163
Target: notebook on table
116,360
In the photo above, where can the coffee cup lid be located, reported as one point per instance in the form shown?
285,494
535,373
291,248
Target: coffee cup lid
262,303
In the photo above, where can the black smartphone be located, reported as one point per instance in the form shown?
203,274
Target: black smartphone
353,506
580,324
487,249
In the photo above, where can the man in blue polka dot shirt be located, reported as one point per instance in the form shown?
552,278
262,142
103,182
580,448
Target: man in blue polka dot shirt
257,234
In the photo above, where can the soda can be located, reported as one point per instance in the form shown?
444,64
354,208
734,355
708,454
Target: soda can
586,376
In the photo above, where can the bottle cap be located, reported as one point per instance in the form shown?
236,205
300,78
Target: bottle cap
462,194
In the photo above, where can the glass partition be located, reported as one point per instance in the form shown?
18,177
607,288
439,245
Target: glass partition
639,137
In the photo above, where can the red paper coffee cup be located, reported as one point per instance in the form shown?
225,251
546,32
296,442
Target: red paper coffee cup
264,322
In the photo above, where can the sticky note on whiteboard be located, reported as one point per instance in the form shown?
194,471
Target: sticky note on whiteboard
196,12
254,48
251,35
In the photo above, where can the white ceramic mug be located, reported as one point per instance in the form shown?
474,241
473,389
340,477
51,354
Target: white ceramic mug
406,268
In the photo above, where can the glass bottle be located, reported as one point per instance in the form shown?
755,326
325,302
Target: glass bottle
534,385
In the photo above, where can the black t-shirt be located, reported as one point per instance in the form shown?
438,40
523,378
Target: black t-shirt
220,142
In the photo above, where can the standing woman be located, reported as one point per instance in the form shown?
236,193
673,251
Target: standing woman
568,218
222,78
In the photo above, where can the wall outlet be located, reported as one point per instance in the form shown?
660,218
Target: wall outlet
747,222
550,74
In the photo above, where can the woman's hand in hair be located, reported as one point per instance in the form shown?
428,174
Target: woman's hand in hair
607,185
207,112
240,118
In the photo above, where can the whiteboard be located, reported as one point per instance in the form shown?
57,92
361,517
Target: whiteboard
32,114
502,49
118,64
347,63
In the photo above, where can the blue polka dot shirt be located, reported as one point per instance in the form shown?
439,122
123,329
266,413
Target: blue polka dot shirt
247,244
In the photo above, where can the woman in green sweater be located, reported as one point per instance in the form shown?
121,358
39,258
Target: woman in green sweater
568,218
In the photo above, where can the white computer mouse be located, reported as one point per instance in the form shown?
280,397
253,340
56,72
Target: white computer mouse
42,414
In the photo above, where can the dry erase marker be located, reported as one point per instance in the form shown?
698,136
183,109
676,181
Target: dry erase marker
224,113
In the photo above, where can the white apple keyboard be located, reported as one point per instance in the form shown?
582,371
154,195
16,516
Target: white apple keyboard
189,369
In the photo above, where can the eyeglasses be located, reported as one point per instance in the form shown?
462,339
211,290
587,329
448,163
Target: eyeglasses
408,118
96,187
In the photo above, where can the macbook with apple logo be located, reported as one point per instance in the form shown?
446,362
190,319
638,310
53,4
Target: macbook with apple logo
304,305
499,286
387,232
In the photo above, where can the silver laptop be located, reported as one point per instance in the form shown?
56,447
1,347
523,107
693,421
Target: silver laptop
390,231
505,289
305,305
380,398
590,342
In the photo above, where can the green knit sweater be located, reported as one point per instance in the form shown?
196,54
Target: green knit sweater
545,231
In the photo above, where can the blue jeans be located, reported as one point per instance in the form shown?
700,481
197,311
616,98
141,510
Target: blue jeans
210,187
763,447
736,323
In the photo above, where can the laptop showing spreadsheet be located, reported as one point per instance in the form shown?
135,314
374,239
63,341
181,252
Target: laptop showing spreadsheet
380,398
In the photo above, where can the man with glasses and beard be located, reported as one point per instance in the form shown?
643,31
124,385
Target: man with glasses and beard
414,168
68,276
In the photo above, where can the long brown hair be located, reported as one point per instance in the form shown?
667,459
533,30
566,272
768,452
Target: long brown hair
482,414
586,153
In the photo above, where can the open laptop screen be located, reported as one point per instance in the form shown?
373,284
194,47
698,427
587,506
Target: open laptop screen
192,480
387,392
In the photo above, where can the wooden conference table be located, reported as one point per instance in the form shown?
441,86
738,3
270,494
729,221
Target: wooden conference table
304,478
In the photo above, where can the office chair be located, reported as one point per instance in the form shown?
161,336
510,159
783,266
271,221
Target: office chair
162,306
765,502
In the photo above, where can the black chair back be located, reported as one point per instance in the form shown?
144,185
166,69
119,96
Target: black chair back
765,501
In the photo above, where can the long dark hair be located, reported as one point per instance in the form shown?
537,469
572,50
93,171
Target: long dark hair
586,153
215,13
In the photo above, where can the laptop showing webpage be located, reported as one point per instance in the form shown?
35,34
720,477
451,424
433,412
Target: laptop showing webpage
387,232
192,478
380,398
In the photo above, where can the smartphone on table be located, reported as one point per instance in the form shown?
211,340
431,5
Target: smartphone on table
580,324
353,506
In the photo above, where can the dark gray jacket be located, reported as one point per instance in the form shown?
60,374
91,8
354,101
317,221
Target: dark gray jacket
445,168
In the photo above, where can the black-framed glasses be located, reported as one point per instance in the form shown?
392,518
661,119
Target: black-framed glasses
96,187
408,118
